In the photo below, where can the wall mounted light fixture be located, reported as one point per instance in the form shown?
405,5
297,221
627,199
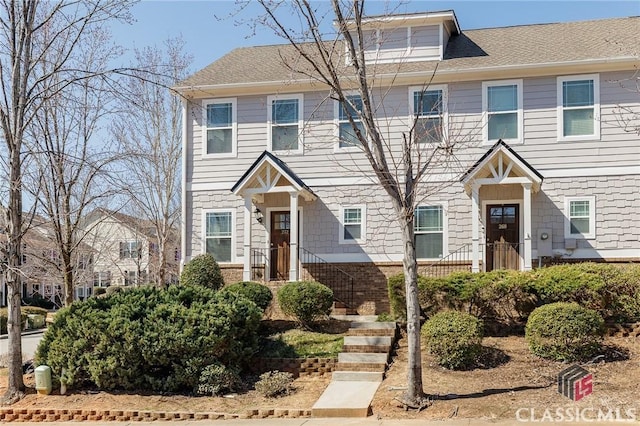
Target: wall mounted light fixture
258,213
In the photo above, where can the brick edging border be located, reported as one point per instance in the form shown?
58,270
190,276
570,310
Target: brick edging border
56,415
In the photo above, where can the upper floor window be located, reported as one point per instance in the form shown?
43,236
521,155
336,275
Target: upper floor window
502,106
429,232
220,127
428,107
285,123
580,217
578,107
347,135
352,224
218,234
129,250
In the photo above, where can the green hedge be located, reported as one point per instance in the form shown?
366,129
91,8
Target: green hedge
202,270
150,339
508,297
256,292
564,332
306,301
454,338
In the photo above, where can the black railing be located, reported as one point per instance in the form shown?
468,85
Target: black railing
317,269
459,260
272,264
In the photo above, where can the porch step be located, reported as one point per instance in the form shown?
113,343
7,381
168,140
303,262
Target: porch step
373,325
355,318
345,399
353,366
357,376
371,332
367,344
362,358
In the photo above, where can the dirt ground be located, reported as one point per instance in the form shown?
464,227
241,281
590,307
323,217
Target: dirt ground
511,381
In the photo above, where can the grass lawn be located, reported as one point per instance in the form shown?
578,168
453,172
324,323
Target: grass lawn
290,342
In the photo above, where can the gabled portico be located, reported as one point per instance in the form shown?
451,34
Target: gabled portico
501,165
270,175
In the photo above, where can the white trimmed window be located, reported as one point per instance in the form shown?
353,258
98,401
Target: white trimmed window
579,107
428,108
285,123
219,234
220,127
502,106
347,137
129,250
429,232
353,228
580,217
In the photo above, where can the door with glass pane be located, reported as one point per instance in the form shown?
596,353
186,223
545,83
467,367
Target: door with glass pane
503,237
279,253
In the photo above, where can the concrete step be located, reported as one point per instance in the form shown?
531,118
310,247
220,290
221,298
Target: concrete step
345,399
357,376
352,366
371,332
374,325
363,358
356,318
368,340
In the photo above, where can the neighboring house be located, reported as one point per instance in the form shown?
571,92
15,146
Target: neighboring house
41,267
126,249
550,170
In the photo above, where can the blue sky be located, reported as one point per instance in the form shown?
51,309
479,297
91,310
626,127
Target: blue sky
210,32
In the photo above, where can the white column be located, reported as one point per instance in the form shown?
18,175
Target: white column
246,252
527,226
293,238
475,228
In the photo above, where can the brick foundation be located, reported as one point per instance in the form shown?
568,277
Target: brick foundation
61,415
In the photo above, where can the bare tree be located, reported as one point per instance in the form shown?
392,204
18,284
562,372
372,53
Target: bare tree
69,170
150,138
32,32
401,169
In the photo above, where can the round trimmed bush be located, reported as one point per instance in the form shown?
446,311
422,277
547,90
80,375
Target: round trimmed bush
305,300
202,270
564,332
256,292
454,338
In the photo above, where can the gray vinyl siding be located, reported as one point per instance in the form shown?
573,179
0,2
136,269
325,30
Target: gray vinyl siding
540,147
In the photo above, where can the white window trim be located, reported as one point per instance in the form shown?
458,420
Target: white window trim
363,224
336,121
233,232
445,229
596,107
445,105
300,98
485,110
592,218
234,127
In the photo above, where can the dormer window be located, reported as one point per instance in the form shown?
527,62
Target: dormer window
418,37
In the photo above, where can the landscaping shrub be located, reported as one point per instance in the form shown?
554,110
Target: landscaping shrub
97,291
4,319
149,339
454,338
564,332
217,379
202,270
569,283
37,300
305,300
256,292
274,383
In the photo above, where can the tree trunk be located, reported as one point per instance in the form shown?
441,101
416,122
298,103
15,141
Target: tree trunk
414,395
68,280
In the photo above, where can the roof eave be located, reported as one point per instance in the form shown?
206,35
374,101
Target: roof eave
442,76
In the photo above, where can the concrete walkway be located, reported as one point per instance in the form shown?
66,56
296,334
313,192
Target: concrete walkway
359,371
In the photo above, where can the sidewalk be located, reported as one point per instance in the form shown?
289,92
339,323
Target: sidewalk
371,421
26,333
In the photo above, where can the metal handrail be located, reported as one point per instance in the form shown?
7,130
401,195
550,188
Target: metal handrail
318,269
459,260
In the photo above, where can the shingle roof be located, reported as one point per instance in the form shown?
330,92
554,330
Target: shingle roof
482,48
